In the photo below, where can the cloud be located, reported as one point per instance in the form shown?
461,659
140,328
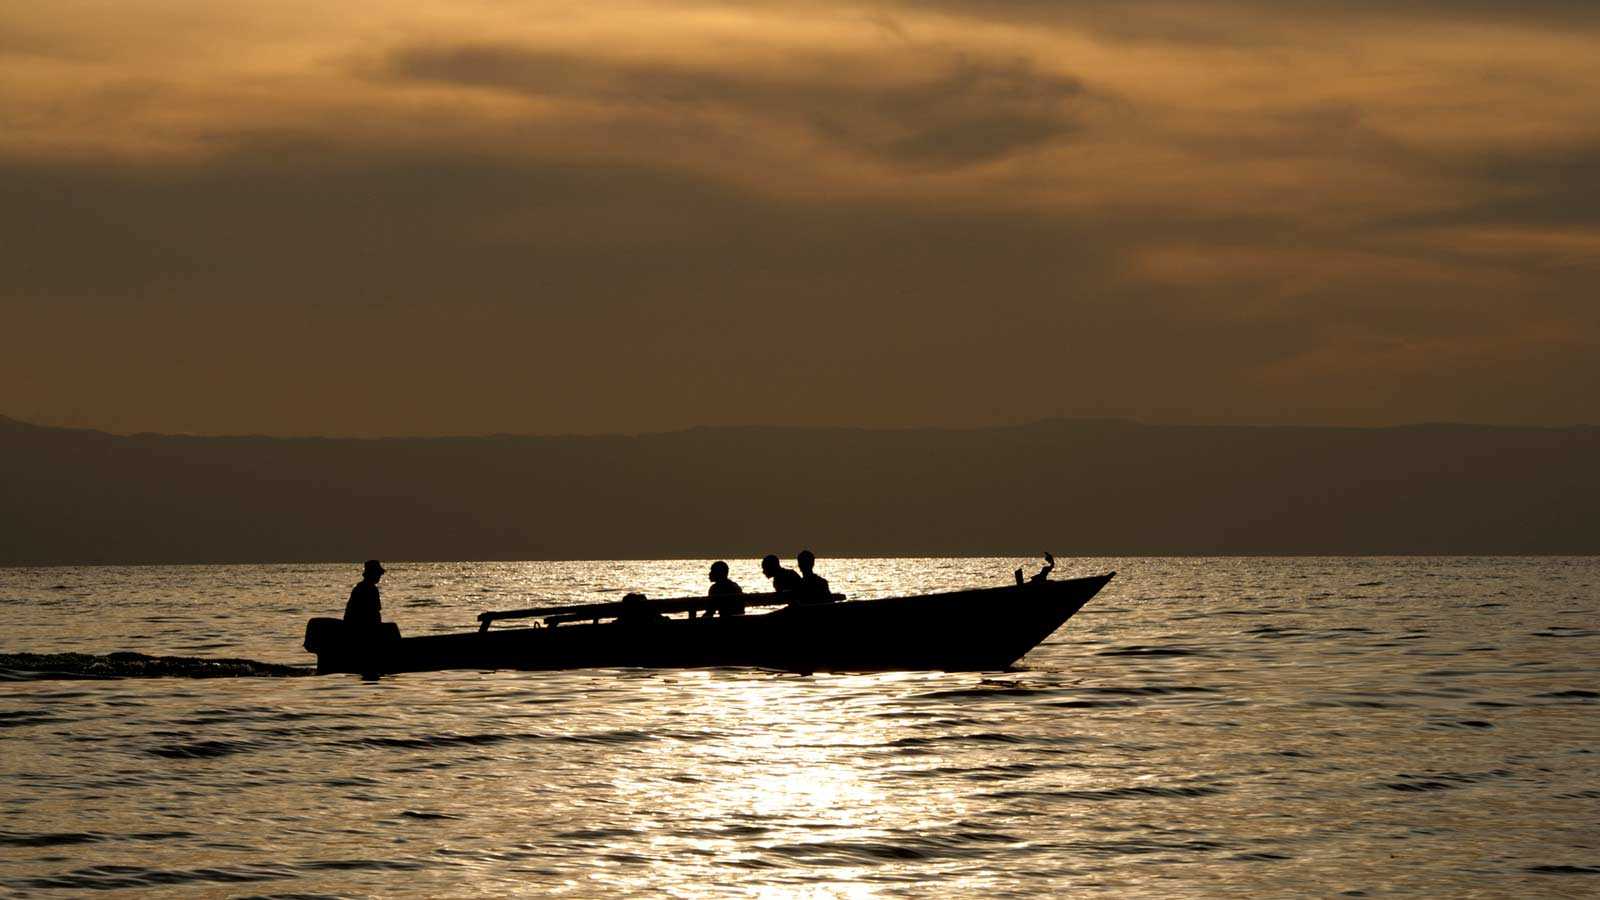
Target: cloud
1257,24
913,108
593,218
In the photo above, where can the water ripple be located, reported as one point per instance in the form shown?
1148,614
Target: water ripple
1228,726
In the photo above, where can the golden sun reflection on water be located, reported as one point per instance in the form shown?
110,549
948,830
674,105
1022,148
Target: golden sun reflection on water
807,740
1207,727
769,767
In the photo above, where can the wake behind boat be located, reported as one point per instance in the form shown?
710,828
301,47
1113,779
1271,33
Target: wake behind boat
980,629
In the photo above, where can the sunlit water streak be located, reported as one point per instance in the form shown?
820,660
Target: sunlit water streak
1239,726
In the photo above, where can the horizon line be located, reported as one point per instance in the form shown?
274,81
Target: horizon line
841,556
1031,423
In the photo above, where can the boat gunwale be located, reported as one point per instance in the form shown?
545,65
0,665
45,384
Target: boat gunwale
790,608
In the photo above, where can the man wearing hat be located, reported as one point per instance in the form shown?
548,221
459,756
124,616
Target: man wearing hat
364,609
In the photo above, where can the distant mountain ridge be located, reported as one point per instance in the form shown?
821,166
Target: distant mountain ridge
1077,487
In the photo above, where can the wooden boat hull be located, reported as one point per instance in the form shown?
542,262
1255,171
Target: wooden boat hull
974,630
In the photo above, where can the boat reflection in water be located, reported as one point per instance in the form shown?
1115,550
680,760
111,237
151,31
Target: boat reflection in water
981,629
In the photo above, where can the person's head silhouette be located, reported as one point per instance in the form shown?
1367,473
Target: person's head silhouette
372,571
719,571
769,565
807,561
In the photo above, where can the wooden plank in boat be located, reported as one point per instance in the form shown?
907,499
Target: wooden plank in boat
581,611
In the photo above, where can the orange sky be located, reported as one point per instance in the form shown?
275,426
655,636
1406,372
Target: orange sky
424,218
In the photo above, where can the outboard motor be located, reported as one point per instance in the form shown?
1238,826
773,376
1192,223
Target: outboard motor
324,634
342,648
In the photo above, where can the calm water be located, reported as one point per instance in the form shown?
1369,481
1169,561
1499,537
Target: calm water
1261,726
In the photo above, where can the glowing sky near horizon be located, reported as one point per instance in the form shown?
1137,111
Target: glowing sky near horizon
415,218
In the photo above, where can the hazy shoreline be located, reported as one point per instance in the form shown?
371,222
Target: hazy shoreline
1074,487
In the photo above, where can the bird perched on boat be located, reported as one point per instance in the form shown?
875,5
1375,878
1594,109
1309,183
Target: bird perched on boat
1044,573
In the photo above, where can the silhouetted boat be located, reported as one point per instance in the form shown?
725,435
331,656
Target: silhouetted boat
982,629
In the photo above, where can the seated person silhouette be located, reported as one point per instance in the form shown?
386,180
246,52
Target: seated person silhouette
364,610
634,612
812,586
784,581
727,589
1044,573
